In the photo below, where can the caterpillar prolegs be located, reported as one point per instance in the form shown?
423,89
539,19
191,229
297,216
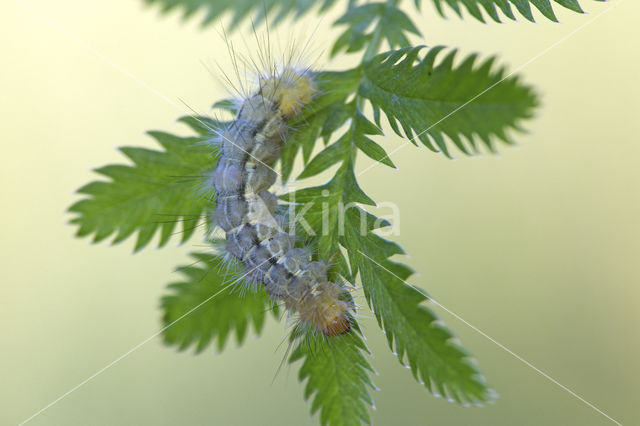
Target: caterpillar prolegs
255,233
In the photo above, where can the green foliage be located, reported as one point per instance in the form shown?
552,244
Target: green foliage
327,114
209,304
354,137
360,17
493,7
414,95
241,9
337,375
413,331
426,95
430,101
390,23
159,190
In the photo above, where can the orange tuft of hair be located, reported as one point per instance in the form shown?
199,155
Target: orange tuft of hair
340,325
325,310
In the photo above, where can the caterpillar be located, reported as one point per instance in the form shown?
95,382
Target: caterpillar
247,211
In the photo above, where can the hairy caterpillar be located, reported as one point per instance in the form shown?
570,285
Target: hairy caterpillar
246,210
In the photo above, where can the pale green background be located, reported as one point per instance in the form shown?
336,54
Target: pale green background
538,248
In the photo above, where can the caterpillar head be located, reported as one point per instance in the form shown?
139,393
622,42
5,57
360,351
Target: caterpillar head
291,91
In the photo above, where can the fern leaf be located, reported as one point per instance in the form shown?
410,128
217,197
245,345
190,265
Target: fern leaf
206,306
426,100
414,332
337,377
492,8
391,23
327,114
241,9
160,189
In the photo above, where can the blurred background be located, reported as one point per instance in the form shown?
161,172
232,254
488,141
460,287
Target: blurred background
538,247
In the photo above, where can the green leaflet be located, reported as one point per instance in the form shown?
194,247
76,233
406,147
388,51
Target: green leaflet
391,23
417,336
159,190
326,115
337,374
241,9
493,8
421,99
354,137
208,305
428,101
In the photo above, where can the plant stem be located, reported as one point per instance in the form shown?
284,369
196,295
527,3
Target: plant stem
376,40
374,44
